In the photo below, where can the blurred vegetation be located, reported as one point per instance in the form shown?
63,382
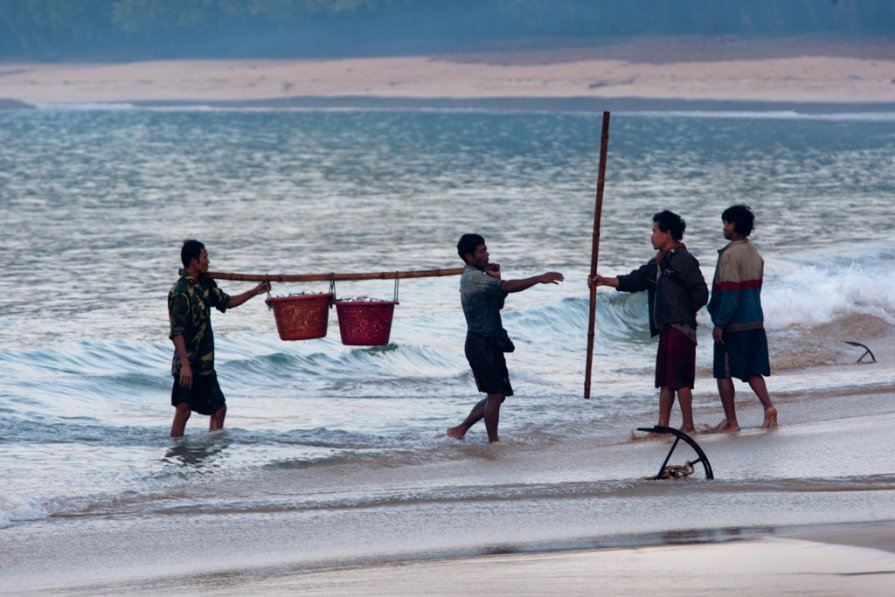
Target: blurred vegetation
134,29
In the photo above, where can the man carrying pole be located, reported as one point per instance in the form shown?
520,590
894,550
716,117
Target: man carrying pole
677,290
189,310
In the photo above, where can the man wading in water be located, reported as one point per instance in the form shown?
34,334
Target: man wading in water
189,309
482,294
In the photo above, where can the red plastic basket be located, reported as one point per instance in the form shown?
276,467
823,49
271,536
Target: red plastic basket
365,323
301,317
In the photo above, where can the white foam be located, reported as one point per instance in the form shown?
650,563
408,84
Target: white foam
15,508
814,293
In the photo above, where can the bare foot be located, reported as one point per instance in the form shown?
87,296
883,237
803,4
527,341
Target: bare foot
770,418
456,433
725,427
687,430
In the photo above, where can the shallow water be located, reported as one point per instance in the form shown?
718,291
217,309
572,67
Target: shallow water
334,440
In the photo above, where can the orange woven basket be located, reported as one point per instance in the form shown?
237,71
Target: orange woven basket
363,323
301,317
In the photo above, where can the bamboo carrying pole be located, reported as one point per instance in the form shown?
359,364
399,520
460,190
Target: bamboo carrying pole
429,273
595,252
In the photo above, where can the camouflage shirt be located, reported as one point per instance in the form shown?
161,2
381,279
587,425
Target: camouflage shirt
189,309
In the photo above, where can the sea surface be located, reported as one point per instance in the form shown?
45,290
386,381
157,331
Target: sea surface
338,442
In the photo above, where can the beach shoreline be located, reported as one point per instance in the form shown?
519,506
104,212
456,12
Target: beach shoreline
841,563
829,559
642,72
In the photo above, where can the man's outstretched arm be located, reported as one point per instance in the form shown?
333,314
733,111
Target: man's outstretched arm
526,283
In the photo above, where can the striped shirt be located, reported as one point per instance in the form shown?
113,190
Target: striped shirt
736,290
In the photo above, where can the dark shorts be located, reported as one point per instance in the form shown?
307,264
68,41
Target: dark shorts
675,360
205,397
488,365
744,354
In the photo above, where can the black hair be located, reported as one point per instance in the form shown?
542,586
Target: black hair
741,217
467,244
190,250
669,221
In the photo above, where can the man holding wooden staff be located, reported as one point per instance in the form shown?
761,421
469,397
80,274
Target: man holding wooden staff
189,310
676,290
482,295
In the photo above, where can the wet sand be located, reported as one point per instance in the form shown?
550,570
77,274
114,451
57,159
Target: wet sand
760,567
827,528
650,69
851,560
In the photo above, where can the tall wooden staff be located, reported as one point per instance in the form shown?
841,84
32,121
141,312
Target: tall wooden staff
595,251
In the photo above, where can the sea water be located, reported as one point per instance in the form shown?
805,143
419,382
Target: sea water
97,200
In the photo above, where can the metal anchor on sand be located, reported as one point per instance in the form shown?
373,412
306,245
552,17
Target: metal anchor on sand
866,351
667,471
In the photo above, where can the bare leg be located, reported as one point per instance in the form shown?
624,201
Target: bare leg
181,416
756,382
492,415
727,392
685,399
217,419
474,416
666,401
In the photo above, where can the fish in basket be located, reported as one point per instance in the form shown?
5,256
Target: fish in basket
301,316
364,321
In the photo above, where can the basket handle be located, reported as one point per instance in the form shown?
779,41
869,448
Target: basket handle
396,287
332,290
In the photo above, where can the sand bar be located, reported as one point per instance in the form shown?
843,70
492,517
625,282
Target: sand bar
679,69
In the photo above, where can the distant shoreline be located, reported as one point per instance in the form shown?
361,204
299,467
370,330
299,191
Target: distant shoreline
638,73
510,104
528,104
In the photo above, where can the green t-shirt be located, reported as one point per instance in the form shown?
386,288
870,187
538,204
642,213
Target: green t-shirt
482,299
189,310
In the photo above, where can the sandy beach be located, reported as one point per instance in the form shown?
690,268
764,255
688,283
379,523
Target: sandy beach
776,70
422,549
760,567
840,565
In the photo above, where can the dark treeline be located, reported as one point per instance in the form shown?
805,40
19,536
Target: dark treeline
138,29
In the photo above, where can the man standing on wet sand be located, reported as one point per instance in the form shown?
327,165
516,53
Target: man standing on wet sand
676,291
482,295
189,310
741,345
